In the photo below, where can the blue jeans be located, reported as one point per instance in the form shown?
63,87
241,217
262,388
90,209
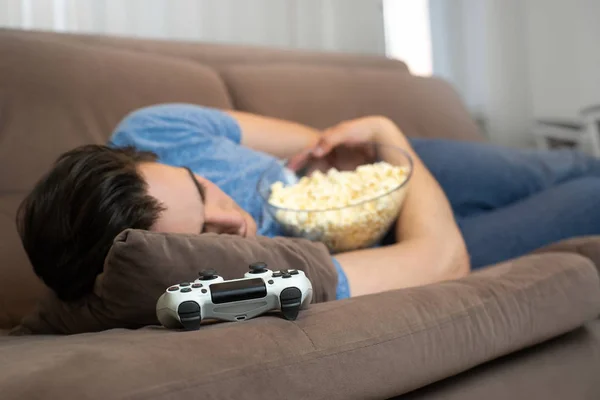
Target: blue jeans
508,202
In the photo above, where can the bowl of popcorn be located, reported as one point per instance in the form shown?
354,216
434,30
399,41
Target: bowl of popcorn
344,209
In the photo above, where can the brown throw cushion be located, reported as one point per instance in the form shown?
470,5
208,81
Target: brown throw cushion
142,264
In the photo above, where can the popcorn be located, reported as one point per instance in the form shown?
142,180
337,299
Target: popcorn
346,210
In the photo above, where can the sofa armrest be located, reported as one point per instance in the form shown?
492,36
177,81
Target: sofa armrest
421,335
375,346
587,246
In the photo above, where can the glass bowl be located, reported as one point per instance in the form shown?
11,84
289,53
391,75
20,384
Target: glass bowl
358,223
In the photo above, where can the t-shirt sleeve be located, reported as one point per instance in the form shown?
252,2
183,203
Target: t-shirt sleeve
343,286
177,133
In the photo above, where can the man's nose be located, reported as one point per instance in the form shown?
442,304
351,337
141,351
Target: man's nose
227,221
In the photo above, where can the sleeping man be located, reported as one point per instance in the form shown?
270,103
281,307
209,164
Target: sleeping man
188,169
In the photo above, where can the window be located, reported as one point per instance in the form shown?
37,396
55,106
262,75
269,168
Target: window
408,34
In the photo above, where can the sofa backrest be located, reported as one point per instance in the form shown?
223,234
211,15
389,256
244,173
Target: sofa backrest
58,91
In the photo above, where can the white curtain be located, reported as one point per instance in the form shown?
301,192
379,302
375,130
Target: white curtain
480,47
515,61
408,34
340,25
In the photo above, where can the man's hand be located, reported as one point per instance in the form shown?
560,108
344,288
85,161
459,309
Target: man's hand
346,145
429,247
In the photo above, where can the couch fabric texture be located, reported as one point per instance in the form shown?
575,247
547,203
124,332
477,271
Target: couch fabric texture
353,349
485,335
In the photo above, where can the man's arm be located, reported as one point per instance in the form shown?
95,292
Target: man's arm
274,136
430,247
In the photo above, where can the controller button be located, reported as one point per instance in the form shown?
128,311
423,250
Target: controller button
208,274
293,272
271,281
188,307
196,285
189,315
186,290
286,276
291,301
184,284
284,271
173,289
258,267
291,294
204,290
276,274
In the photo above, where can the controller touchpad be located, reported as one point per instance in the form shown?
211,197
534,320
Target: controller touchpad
247,289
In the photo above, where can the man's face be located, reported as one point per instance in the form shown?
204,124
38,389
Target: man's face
193,207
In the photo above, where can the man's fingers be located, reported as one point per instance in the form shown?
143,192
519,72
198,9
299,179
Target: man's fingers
299,160
370,152
331,138
326,143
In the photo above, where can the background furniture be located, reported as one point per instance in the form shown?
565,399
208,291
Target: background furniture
583,134
487,336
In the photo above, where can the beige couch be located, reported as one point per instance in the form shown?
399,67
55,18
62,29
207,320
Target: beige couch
524,329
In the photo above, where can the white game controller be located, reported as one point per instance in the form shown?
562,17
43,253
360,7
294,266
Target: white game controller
187,304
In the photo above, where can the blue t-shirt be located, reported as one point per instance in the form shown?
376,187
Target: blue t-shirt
208,141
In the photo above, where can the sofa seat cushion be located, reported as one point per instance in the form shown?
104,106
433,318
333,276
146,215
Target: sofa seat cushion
563,368
20,289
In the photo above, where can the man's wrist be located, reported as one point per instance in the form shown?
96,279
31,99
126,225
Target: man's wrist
387,133
312,137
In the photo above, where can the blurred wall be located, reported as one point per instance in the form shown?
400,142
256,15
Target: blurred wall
339,25
515,61
564,46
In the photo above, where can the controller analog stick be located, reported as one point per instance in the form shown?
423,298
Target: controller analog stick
258,267
208,274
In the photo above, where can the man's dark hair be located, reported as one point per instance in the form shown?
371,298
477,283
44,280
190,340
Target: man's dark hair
68,222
